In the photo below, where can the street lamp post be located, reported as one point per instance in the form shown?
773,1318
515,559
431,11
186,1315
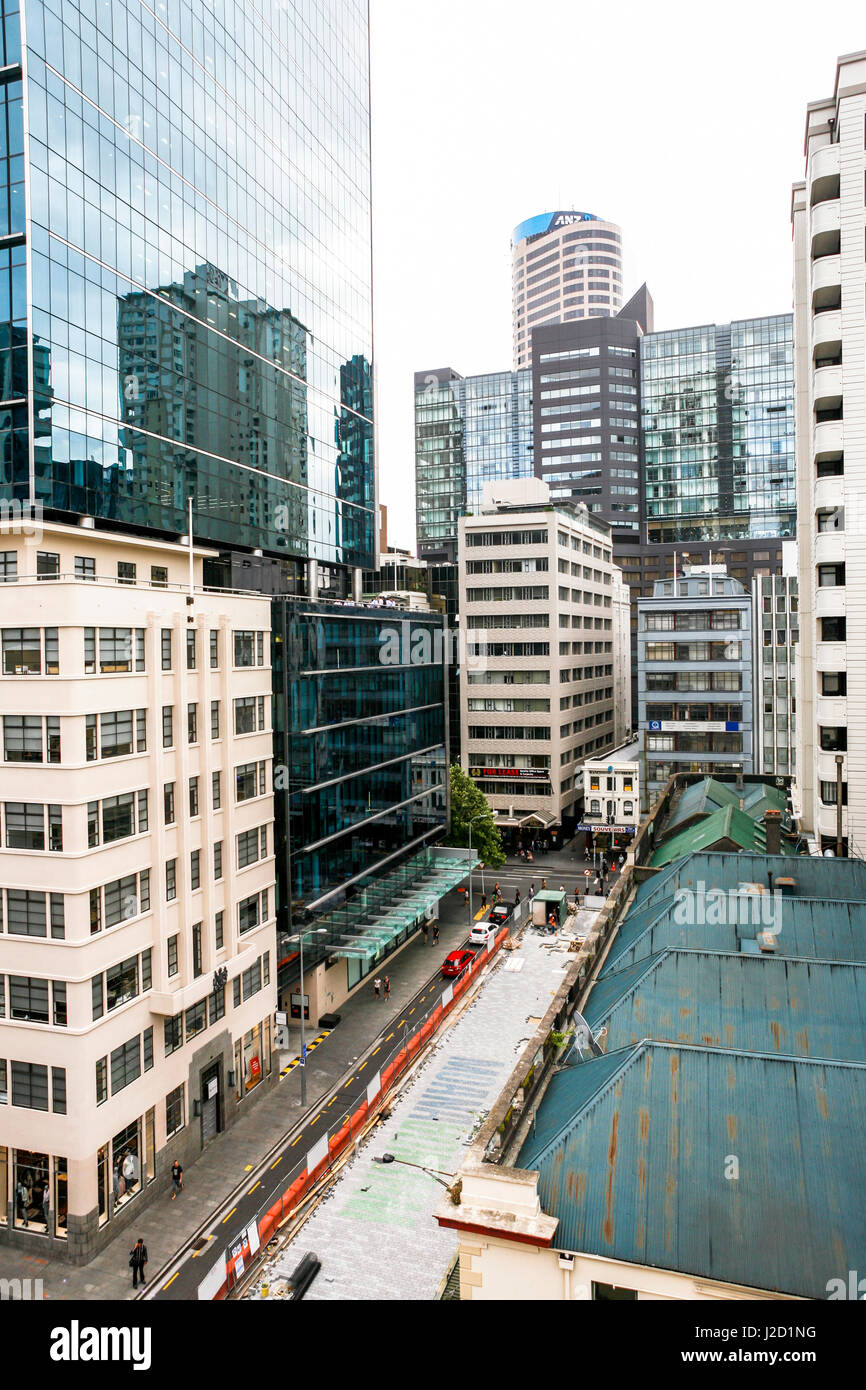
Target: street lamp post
299,937
482,815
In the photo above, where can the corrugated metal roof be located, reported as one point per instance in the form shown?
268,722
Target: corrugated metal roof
729,827
801,1008
699,799
842,880
639,1167
808,928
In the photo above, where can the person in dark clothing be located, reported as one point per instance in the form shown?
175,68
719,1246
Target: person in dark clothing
176,1178
137,1262
435,933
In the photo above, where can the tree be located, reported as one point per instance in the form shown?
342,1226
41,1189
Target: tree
467,802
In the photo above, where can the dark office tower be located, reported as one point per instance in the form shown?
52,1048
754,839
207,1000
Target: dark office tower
193,261
586,413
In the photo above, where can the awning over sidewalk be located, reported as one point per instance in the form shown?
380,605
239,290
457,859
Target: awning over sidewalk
370,923
543,820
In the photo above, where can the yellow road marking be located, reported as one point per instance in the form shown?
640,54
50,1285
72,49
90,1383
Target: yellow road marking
349,1082
231,1213
279,1160
378,1049
254,1186
400,1024
389,1037
171,1280
316,1117
411,1011
249,1168
362,1066
331,1101
296,1141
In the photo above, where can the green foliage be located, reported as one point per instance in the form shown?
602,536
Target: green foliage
467,802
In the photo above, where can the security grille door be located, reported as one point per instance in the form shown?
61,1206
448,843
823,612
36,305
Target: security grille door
208,1119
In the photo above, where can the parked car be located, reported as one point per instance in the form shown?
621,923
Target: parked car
500,913
457,962
480,933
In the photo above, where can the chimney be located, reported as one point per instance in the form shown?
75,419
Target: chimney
773,828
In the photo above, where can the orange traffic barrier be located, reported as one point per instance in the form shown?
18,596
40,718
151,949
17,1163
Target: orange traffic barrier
426,1031
340,1140
400,1061
358,1118
387,1077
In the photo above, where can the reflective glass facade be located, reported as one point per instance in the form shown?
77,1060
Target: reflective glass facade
718,431
468,431
359,740
198,237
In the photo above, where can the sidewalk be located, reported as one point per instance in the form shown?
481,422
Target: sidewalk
165,1226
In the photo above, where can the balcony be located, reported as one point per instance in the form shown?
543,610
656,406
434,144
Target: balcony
826,229
831,656
827,437
824,175
827,387
830,548
827,817
830,601
827,334
829,494
827,283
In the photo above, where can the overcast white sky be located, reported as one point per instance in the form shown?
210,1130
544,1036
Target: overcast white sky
682,120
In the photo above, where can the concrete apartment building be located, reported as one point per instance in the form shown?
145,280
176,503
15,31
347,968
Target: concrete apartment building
138,941
537,633
694,677
565,266
776,643
830,346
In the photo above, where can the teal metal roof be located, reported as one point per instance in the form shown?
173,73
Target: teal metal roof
753,1003
729,828
634,1167
816,930
841,880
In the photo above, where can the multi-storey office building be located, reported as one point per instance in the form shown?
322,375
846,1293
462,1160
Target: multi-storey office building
776,638
362,772
830,338
718,432
138,941
565,266
586,413
537,632
468,431
694,677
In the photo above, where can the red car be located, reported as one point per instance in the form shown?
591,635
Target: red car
457,962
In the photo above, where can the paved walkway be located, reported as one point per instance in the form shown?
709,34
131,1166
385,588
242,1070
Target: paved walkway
166,1226
374,1232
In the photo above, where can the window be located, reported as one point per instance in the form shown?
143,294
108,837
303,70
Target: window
168,726
166,648
22,738
214,718
197,967
216,1005
249,781
28,999
831,576
192,723
174,1111
218,931
173,1034
8,566
26,826
47,565
218,860
118,816
170,879
102,1081
22,651
85,567
159,576
215,783
834,683
116,649
195,869
196,1019
245,715
172,956
833,739
214,650
168,803
193,796
252,846
125,1065
829,793
115,734
833,630
121,983
190,649
252,911
125,572
30,1085
249,648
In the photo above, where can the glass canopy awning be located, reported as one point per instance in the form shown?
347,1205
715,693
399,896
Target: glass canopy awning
371,922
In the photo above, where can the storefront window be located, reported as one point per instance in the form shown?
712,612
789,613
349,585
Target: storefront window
61,1204
32,1192
252,1058
126,1163
102,1184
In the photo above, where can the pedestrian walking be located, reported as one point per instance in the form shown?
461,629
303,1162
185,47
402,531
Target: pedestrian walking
377,985
424,928
46,1203
387,984
577,893
562,887
543,884
516,896
137,1262
176,1179
496,893
621,861
484,901
531,891
435,933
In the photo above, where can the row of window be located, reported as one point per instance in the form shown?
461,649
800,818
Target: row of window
33,651
33,1000
31,1087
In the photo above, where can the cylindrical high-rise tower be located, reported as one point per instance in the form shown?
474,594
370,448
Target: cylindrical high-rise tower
566,265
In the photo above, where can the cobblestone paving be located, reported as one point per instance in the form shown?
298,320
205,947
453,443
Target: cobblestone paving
374,1232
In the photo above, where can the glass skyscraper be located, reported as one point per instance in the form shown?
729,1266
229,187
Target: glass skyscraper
468,431
718,431
186,302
